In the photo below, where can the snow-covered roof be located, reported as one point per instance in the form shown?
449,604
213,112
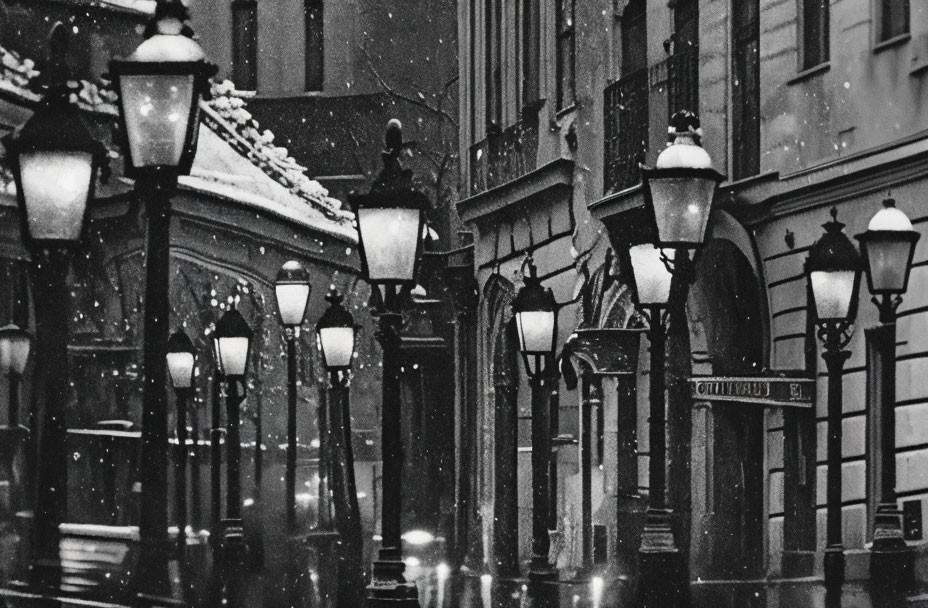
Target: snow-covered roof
142,6
235,159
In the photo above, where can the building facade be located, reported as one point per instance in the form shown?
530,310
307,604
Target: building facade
804,105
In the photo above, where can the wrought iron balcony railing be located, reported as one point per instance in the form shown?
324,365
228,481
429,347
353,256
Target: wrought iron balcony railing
626,130
503,156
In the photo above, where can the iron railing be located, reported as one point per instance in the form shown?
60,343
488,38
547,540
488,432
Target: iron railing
503,156
626,130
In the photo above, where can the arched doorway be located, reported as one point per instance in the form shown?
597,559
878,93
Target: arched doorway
728,338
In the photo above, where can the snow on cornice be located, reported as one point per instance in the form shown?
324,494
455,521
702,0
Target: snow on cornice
225,115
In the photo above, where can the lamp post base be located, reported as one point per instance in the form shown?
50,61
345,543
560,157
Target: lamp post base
892,561
390,588
662,579
834,565
541,570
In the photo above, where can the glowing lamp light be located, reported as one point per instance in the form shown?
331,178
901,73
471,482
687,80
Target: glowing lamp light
418,537
335,333
535,311
233,343
650,274
54,160
390,227
160,85
887,248
292,289
15,345
679,191
181,357
833,271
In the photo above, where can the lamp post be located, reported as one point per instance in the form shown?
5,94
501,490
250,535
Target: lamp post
55,162
833,271
181,357
15,344
292,290
215,445
887,249
678,196
535,311
390,221
160,85
336,332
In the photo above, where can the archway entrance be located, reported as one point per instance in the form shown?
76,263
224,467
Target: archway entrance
729,520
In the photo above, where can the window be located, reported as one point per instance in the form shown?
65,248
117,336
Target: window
894,18
531,31
566,37
315,45
634,38
494,65
683,65
814,39
745,88
245,44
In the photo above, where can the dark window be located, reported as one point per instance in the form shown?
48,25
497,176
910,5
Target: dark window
745,88
894,18
683,65
566,39
634,37
494,61
315,45
815,28
245,44
473,71
531,30
626,105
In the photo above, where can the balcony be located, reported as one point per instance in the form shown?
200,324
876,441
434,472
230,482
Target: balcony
503,156
626,130
683,81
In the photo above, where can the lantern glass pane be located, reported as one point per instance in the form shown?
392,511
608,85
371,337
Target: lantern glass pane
291,302
337,345
536,331
157,112
832,291
391,239
180,366
681,207
889,263
55,187
652,279
233,355
14,354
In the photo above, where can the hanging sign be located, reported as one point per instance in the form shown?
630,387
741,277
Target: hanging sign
777,391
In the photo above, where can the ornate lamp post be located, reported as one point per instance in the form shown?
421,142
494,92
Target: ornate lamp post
181,358
390,223
887,248
678,196
535,312
292,290
55,162
160,85
335,333
15,345
833,271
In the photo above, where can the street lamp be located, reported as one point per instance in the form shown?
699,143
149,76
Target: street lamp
160,85
390,222
887,249
833,271
679,191
292,289
181,357
535,311
335,333
55,161
15,344
678,196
